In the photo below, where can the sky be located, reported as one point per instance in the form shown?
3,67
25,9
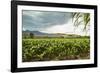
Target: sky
50,22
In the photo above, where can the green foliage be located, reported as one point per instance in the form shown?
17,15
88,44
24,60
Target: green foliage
31,35
55,49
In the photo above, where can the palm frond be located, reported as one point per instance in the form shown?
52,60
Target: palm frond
85,17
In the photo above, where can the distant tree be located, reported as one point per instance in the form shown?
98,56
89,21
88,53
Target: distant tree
61,36
31,35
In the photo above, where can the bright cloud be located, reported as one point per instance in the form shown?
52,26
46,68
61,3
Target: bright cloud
67,28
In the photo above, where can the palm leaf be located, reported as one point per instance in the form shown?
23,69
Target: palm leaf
85,18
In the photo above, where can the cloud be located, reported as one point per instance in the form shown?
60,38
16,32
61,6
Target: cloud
67,28
39,20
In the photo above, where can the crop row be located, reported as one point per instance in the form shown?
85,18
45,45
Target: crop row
55,49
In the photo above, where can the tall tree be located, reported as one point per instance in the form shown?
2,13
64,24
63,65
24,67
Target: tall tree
31,35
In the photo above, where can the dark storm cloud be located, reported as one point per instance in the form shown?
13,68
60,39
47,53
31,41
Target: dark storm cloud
39,20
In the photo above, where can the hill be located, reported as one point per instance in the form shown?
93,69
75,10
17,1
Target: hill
41,34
